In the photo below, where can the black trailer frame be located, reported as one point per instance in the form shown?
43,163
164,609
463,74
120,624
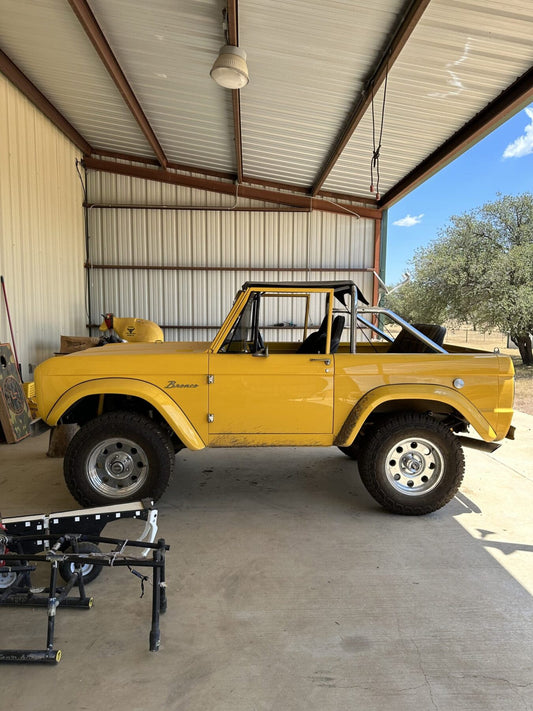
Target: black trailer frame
19,554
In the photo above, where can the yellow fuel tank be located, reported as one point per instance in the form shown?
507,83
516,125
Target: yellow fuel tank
133,330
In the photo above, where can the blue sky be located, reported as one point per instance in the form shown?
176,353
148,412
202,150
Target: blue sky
500,163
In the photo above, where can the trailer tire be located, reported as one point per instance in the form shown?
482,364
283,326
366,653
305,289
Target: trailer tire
89,570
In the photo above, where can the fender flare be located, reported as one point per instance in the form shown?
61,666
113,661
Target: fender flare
389,393
156,397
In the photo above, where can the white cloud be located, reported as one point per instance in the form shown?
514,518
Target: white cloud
409,221
523,145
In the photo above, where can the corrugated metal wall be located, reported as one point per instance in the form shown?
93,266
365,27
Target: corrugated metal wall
186,265
41,231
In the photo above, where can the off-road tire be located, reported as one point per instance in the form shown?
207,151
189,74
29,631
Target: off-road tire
412,464
354,449
90,571
118,457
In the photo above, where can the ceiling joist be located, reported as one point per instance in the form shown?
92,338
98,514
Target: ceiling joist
388,56
229,188
92,29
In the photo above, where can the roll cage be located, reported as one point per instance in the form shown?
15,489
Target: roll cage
244,334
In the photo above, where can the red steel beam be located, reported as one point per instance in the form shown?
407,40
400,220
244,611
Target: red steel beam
388,56
92,28
179,268
244,191
515,97
224,175
291,187
377,257
233,39
31,92
237,132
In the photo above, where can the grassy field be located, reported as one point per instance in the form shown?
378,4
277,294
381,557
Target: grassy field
490,340
524,386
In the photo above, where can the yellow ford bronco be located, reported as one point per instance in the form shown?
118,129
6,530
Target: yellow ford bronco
294,364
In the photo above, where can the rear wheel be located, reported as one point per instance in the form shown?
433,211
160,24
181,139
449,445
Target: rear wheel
118,457
412,464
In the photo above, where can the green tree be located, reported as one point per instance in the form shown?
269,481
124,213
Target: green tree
478,271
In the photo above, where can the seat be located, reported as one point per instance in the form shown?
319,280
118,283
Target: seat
336,333
318,343
313,340
405,342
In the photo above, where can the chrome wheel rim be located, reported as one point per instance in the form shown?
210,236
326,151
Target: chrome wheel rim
414,466
86,568
117,467
7,578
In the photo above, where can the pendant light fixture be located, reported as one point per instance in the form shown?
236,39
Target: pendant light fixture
230,69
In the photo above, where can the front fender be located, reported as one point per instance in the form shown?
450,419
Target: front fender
148,392
390,393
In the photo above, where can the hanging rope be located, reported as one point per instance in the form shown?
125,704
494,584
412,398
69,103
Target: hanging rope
374,163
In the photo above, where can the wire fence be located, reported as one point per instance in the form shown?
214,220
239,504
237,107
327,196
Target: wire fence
485,340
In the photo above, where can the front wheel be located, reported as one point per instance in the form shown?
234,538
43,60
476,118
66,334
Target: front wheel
118,457
412,464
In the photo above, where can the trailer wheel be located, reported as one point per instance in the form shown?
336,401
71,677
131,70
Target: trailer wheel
412,464
118,457
7,578
89,571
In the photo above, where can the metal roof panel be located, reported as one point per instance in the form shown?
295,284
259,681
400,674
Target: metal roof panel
48,44
166,53
462,55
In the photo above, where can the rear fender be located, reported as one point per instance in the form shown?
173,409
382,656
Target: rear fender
391,393
157,398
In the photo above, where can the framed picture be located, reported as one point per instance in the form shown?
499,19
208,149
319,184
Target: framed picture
15,416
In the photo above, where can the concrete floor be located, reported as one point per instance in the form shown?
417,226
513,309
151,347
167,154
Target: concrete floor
289,589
